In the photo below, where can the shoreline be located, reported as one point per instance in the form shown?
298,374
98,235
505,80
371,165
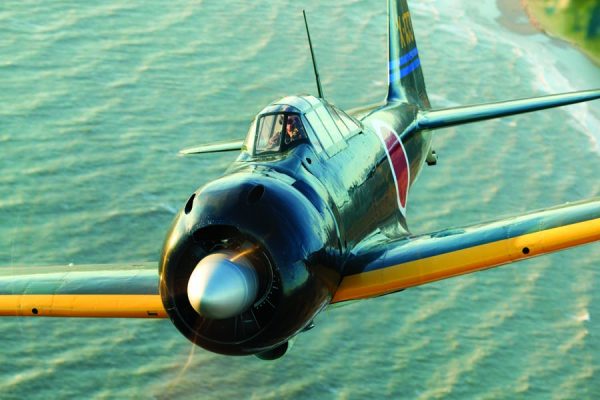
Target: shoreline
551,18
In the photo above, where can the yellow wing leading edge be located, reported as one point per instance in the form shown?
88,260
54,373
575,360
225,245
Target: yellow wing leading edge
392,266
109,291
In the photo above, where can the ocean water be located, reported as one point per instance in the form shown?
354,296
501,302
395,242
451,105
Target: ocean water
96,98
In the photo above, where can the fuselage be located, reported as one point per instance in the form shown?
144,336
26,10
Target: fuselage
310,184
364,182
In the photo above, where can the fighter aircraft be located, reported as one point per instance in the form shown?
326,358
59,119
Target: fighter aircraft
311,213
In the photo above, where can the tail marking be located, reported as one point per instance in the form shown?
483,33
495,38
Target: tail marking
404,65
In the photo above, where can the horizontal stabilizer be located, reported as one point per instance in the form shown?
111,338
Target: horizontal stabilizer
463,115
231,145
109,291
389,266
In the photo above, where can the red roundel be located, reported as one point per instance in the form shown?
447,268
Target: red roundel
398,161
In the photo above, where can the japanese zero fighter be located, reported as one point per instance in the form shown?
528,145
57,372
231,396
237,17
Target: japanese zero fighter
311,213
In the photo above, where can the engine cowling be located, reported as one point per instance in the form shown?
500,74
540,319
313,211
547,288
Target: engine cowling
247,264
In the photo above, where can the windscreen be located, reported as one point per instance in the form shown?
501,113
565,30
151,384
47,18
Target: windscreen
278,132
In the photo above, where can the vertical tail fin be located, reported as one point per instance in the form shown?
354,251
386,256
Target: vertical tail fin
406,82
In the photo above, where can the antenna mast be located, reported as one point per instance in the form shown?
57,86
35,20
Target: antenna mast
312,53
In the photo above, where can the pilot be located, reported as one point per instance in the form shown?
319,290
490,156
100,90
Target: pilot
292,130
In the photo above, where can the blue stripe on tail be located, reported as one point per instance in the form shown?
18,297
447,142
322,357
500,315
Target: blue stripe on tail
406,82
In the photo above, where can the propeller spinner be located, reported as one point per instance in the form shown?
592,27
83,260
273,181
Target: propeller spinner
222,285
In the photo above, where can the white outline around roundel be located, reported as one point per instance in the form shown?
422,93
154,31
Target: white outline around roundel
379,126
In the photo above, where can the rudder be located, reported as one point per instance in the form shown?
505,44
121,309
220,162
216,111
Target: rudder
406,82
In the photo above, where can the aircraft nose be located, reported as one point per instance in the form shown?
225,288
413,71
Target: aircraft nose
222,285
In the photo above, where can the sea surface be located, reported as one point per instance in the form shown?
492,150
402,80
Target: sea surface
96,99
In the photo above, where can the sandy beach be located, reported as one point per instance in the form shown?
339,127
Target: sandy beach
578,24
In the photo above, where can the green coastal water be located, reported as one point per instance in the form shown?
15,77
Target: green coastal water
97,98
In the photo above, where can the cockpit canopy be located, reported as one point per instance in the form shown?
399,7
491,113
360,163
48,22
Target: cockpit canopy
295,120
278,131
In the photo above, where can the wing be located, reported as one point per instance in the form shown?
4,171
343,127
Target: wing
435,119
111,291
231,145
388,266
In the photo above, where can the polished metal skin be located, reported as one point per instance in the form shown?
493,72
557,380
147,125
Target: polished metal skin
290,242
222,285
